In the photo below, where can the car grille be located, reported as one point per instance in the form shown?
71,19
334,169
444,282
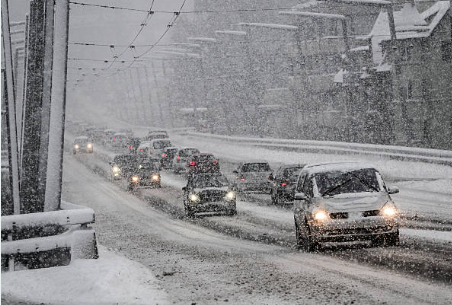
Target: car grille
339,215
371,213
353,231
211,196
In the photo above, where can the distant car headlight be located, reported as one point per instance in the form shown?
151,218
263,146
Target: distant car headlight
115,169
135,179
193,197
388,210
76,146
230,195
155,177
320,215
89,145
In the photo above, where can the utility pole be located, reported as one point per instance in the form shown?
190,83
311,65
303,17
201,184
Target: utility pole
10,108
20,124
46,96
31,201
58,108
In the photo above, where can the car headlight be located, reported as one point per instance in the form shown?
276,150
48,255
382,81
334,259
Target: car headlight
193,197
155,177
89,145
319,215
388,210
230,195
76,146
135,179
115,169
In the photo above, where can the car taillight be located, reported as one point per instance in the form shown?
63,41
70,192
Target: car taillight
150,149
192,163
166,137
127,138
131,147
113,138
178,157
283,183
215,162
242,179
164,155
141,150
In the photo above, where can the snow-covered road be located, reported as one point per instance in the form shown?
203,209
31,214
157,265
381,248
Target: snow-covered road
197,264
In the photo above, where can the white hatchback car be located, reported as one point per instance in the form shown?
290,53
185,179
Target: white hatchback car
341,202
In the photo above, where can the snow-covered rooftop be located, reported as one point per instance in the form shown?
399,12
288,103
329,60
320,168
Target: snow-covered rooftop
409,24
271,26
312,15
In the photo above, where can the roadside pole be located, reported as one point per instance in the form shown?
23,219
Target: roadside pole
58,107
11,111
46,96
30,199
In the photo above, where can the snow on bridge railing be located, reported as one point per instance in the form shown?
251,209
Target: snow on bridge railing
65,230
436,156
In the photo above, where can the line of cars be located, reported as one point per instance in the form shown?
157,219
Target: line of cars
332,202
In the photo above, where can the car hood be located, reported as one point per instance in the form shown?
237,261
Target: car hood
209,189
353,202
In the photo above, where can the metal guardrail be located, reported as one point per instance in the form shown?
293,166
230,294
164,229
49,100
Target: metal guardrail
78,237
386,151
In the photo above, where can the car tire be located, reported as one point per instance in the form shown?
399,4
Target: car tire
306,243
189,212
74,152
298,236
232,212
391,239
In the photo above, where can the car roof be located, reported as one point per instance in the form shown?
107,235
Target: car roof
284,166
254,161
159,140
336,166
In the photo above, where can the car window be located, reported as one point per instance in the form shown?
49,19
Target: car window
203,158
256,167
188,152
291,171
300,182
308,187
203,181
161,144
357,181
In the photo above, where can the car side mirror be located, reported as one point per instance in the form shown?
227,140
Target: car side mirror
271,178
393,190
235,172
111,163
184,188
300,196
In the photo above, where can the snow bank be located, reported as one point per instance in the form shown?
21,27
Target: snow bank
111,279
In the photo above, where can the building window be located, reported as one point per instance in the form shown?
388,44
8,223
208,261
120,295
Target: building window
446,51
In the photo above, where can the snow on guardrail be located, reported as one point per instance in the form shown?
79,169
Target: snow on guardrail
436,156
78,237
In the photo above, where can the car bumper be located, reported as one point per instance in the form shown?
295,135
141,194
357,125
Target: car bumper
346,230
214,206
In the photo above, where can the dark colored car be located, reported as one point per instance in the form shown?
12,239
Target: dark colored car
203,163
146,174
208,192
82,144
167,157
134,142
123,165
283,183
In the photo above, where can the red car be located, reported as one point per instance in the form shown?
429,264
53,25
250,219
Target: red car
203,163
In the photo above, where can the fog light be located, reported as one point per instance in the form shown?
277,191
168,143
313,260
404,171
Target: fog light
155,177
230,195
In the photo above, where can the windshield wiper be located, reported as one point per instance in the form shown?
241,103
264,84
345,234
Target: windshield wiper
365,183
336,187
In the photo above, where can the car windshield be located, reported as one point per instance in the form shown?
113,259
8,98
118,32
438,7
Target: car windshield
81,140
203,158
358,181
256,167
147,166
188,152
203,181
161,144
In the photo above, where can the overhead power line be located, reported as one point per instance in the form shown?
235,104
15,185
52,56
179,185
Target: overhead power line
184,12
